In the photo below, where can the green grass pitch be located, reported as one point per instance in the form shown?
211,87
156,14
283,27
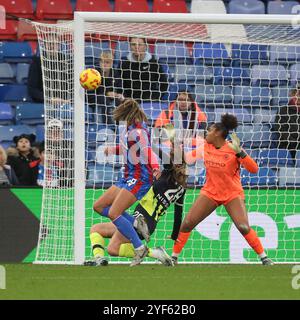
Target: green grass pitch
27,281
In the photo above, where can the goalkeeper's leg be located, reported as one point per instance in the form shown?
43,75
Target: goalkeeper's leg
201,209
237,210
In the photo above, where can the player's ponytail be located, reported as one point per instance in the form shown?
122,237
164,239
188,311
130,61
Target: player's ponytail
130,111
228,122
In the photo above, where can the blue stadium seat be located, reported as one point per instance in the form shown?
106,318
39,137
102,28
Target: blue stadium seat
210,54
242,114
251,96
40,133
7,74
93,50
30,113
250,54
231,76
214,95
121,51
255,136
102,175
289,177
153,109
22,72
173,90
172,53
281,7
196,176
298,159
294,74
15,93
262,115
17,52
284,54
6,114
210,113
7,133
264,177
193,74
275,158
98,134
280,96
272,75
246,7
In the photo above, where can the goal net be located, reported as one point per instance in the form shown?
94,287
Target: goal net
194,69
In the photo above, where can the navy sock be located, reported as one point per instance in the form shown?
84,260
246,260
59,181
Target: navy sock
127,230
105,211
129,217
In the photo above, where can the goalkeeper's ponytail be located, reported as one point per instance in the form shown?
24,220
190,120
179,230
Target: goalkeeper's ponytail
228,122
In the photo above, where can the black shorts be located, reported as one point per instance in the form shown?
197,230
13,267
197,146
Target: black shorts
151,223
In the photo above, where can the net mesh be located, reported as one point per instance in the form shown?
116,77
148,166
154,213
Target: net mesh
248,70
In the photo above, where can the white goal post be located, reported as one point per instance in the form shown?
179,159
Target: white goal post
165,26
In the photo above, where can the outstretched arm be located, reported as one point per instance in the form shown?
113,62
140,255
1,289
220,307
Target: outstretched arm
244,159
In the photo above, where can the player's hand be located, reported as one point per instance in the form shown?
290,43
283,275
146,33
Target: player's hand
235,143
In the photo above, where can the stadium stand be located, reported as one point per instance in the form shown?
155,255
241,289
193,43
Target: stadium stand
54,9
131,6
170,6
95,5
7,133
223,80
19,8
246,7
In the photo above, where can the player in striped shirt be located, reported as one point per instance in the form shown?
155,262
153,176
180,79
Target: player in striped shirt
222,160
140,165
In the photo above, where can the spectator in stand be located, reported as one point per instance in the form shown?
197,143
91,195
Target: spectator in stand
287,124
109,94
185,115
57,73
7,173
23,160
143,78
41,167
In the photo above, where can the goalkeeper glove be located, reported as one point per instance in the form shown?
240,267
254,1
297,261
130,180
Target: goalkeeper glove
235,146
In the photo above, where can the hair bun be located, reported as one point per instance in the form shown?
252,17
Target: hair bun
229,121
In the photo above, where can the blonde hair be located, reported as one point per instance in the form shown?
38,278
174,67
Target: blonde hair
130,111
4,156
106,55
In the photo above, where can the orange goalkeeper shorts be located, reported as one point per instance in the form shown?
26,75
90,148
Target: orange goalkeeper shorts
221,201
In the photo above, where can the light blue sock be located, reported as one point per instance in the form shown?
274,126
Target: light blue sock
127,230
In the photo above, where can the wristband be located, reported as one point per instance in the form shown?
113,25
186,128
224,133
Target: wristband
242,154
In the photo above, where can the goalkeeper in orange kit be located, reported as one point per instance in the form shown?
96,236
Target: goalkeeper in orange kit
222,160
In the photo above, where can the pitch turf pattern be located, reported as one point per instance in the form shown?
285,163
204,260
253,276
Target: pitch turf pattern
26,281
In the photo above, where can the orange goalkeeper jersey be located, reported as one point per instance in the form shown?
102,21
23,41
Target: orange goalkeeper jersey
222,170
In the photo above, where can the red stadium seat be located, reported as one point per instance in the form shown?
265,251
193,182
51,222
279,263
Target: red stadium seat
93,5
26,31
173,6
20,8
54,9
10,31
131,6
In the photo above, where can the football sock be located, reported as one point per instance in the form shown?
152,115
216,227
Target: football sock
126,250
127,230
180,243
255,243
98,244
129,217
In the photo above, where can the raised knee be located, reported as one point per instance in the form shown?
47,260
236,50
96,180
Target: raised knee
243,228
112,250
